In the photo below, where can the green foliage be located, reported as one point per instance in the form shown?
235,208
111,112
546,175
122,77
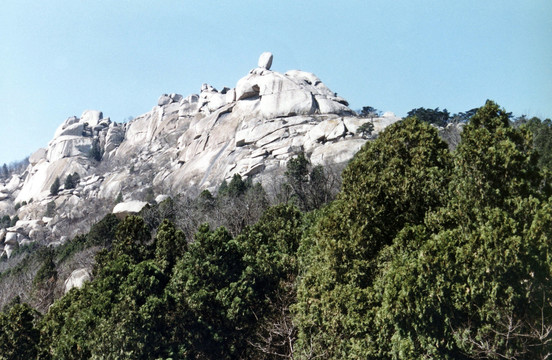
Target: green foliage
542,140
223,188
366,129
5,221
431,116
424,254
95,152
237,187
119,198
71,181
310,186
134,328
47,272
14,220
103,232
19,338
393,181
463,117
100,234
170,245
206,297
17,206
473,279
54,188
495,161
369,112
131,238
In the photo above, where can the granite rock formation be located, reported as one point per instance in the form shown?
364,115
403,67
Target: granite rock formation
183,144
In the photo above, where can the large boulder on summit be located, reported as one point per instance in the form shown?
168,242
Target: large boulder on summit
91,117
265,60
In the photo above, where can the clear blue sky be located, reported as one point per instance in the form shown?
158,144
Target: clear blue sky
58,58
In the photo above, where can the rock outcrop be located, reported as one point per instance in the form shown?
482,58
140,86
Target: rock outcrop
184,143
77,279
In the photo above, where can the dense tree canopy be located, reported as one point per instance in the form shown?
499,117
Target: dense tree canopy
424,253
391,182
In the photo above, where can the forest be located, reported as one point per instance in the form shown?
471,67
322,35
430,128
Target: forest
423,253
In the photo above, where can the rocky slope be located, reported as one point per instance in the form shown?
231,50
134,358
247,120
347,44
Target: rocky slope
183,144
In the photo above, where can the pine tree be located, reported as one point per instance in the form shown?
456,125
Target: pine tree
54,188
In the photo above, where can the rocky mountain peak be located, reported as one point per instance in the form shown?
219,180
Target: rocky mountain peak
184,144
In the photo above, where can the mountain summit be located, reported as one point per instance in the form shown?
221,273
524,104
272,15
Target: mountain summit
184,144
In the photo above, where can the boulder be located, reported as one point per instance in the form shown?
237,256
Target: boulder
175,97
9,249
160,198
77,279
72,130
287,103
11,238
114,137
123,209
37,156
247,87
265,60
164,100
13,184
91,117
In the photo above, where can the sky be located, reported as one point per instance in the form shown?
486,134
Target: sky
59,58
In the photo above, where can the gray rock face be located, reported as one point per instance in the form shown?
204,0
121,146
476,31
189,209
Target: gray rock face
184,143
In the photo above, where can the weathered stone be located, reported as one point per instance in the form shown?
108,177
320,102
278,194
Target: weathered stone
11,238
37,156
77,279
164,100
9,249
336,153
91,117
265,60
123,209
189,143
247,87
160,198
114,137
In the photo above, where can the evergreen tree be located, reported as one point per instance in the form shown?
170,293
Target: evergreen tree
310,186
474,280
69,183
393,181
54,188
170,245
5,171
95,152
431,116
19,338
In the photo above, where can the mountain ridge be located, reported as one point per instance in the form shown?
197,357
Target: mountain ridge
184,144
